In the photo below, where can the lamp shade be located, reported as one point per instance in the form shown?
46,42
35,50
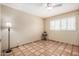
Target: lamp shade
8,24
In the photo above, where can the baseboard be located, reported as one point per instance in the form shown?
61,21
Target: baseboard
64,42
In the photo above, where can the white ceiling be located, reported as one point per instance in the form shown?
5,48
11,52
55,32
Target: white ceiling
39,9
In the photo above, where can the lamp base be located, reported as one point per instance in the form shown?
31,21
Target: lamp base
8,51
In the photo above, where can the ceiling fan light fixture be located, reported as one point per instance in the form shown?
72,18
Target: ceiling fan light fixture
52,5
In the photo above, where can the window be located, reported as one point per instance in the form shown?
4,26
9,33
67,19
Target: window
55,25
71,23
68,23
63,24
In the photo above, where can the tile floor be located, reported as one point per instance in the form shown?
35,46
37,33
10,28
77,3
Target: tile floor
45,48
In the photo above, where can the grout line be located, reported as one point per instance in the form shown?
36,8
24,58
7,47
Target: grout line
26,48
63,49
69,49
21,51
55,43
59,44
72,50
78,50
12,53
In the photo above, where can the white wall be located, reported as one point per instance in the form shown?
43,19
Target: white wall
0,29
25,27
71,37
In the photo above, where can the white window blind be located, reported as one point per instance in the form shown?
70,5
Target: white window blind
64,24
71,23
67,23
57,25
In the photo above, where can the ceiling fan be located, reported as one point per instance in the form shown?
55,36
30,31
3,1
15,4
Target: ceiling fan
52,5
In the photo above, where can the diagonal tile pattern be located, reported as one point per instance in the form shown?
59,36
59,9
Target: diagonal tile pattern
45,48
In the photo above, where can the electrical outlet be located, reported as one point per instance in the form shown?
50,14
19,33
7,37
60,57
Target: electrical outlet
18,43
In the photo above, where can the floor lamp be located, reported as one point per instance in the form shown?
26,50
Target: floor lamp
9,25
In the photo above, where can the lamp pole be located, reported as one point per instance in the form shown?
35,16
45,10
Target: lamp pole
8,50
